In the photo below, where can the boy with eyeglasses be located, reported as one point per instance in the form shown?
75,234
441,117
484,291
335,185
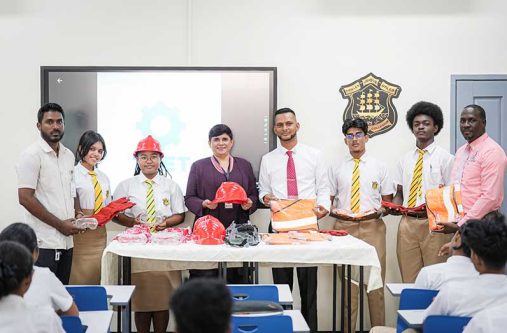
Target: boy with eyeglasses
424,167
358,184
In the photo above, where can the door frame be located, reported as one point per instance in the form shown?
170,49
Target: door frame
466,77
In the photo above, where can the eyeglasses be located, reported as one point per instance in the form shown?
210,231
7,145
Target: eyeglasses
144,158
358,135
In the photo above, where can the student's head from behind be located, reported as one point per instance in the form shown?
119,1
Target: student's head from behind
21,233
16,267
487,239
50,122
201,306
356,135
91,149
458,246
425,120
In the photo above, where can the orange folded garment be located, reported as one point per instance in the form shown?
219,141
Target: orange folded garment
403,209
444,205
293,215
291,238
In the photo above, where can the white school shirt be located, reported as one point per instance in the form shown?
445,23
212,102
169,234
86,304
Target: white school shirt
437,167
17,316
51,177
374,181
467,297
434,276
166,193
489,320
310,173
85,189
47,290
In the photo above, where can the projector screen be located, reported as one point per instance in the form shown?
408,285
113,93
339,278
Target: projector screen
177,106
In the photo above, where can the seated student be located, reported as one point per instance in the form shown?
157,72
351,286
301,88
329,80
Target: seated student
16,266
202,305
487,240
457,266
488,320
45,289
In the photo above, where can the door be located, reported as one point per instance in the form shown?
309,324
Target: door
488,91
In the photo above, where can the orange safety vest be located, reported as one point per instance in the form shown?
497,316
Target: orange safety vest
293,215
443,204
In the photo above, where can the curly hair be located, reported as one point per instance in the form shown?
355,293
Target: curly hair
428,109
355,123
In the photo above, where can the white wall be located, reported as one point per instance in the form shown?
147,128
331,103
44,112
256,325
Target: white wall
317,45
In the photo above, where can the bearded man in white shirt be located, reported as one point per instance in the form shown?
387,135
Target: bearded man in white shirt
46,190
310,182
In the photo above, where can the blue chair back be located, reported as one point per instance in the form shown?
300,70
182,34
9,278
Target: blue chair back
262,324
254,293
414,299
447,324
89,298
72,324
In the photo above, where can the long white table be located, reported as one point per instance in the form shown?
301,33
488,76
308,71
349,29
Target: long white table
346,251
97,321
413,318
299,324
396,288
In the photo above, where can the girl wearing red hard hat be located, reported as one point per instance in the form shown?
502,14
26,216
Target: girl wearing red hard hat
159,202
207,176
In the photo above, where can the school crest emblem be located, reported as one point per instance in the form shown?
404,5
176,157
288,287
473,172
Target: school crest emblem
165,201
371,98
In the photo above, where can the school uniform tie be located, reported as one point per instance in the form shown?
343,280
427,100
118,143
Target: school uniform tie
416,185
355,192
292,182
150,202
99,201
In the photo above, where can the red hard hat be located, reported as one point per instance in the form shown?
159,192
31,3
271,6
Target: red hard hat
149,144
230,192
209,231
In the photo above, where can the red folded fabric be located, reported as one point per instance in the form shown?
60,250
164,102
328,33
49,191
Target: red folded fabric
334,232
105,214
403,209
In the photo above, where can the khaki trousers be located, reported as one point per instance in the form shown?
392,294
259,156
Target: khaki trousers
417,247
372,232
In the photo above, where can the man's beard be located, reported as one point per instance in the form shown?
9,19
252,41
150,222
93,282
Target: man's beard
289,139
50,138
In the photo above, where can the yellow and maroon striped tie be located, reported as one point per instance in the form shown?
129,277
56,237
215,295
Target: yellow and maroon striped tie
99,201
355,193
150,203
416,185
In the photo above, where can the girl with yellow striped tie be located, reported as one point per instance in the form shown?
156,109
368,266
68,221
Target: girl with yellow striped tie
161,199
92,193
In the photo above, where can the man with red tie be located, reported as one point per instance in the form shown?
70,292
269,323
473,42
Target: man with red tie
295,171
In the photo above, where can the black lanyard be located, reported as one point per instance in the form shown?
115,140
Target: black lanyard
227,173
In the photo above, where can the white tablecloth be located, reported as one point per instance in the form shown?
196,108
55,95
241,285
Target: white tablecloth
341,250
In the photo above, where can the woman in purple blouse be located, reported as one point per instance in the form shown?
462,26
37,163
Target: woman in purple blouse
206,176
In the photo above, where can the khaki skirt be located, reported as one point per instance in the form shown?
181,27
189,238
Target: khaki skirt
87,256
154,290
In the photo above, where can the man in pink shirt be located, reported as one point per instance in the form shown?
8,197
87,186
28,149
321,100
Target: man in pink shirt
479,167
